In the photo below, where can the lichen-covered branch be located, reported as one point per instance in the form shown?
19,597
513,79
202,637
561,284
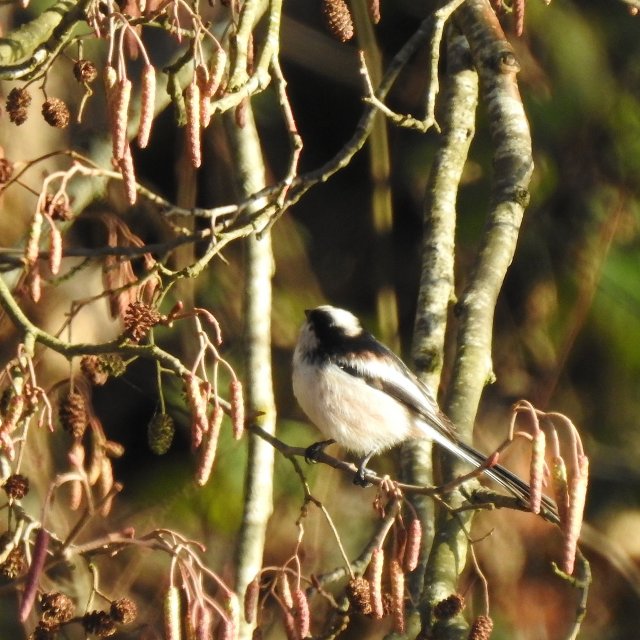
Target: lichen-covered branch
25,50
436,293
512,164
258,501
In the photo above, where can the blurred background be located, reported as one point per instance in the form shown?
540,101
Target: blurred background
567,327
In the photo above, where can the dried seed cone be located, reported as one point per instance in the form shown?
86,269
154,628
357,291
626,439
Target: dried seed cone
237,409
43,632
192,104
338,19
171,608
14,565
577,498
16,486
251,596
123,610
85,71
160,432
358,592
412,546
56,113
147,105
72,413
112,364
481,628
122,95
139,318
451,606
93,371
301,613
100,623
210,446
18,102
536,470
57,608
374,572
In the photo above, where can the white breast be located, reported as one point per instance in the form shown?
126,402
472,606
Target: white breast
358,417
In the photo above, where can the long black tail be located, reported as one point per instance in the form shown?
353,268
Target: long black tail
505,478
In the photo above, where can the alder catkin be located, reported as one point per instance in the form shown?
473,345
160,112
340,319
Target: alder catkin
203,624
210,446
375,582
284,589
577,497
237,409
397,596
412,546
251,596
55,248
172,617
301,613
192,105
560,488
373,7
121,117
147,104
32,248
128,175
199,423
34,283
536,470
38,558
218,65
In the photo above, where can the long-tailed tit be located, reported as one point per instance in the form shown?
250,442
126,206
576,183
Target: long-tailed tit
363,397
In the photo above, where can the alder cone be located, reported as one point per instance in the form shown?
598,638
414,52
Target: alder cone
338,19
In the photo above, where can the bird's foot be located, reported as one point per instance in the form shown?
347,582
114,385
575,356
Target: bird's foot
312,451
360,478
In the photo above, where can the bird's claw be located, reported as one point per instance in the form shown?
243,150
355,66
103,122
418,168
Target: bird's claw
312,451
360,478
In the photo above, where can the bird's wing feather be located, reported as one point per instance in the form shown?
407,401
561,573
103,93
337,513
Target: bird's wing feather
383,370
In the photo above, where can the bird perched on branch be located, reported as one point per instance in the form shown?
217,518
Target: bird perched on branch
364,398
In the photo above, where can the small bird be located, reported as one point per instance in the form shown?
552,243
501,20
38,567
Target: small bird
363,397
